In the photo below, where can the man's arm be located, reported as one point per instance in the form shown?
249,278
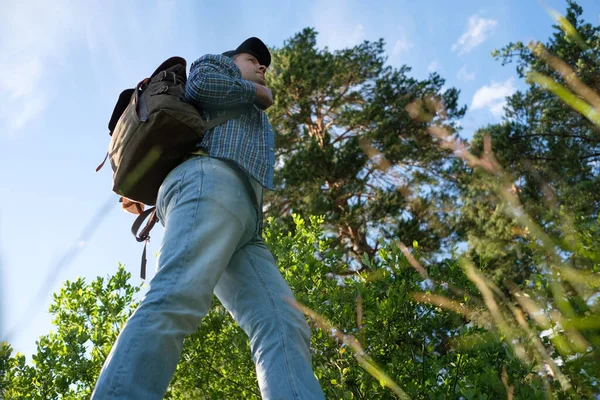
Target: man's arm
264,97
215,82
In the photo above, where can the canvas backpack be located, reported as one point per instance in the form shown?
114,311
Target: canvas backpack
152,130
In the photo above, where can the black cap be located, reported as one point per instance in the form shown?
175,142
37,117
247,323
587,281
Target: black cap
255,47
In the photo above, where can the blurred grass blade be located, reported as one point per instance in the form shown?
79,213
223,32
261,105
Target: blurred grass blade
364,360
572,100
568,28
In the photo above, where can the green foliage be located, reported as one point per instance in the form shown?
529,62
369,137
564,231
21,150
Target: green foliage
430,352
530,215
547,149
350,150
87,319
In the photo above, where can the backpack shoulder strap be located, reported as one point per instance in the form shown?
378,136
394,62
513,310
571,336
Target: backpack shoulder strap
229,114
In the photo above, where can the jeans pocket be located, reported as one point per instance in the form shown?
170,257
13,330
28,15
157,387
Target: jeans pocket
168,193
255,192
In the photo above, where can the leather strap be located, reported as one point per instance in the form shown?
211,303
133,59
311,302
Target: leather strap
143,263
102,165
144,235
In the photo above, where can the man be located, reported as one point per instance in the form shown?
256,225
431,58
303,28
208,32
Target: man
211,208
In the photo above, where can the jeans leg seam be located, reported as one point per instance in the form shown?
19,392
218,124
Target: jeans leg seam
278,319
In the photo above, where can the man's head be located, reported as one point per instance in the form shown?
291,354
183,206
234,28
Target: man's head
252,58
252,69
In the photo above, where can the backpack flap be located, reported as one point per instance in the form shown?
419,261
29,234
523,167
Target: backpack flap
122,103
125,96
171,62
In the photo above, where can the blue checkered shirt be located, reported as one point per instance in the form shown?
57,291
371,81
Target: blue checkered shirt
214,85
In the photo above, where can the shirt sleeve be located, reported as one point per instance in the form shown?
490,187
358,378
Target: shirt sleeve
216,82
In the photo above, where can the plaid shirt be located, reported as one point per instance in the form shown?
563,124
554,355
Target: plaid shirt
215,84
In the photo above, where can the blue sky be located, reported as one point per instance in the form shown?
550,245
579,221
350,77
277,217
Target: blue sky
63,64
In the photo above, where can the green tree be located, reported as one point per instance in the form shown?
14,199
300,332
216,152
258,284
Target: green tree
87,320
549,149
530,209
348,149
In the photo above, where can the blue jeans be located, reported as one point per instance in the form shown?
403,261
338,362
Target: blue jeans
211,244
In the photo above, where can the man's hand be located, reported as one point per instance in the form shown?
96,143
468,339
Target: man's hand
264,96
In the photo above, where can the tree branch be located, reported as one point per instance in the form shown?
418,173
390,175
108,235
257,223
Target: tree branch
253,390
590,156
533,135
343,135
540,158
335,101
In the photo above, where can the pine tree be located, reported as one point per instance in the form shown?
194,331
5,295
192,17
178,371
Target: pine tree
348,149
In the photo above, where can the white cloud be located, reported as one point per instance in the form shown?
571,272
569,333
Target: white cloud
477,32
38,39
464,75
337,30
493,96
34,34
358,35
28,111
434,66
401,46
